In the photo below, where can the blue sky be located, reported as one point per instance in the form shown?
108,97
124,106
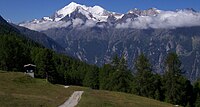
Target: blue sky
24,10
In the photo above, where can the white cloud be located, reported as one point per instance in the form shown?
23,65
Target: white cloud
100,26
77,22
166,19
90,23
46,25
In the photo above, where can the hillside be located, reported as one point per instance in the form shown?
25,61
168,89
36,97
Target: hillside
17,47
18,90
94,98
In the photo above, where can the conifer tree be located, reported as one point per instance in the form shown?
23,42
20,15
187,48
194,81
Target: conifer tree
104,76
121,78
91,78
144,78
176,86
50,69
196,94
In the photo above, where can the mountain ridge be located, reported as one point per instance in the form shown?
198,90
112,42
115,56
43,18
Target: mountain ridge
41,38
97,16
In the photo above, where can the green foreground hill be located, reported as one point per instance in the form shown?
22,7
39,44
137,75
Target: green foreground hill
19,90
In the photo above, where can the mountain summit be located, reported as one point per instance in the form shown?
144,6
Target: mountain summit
95,12
81,16
148,12
73,14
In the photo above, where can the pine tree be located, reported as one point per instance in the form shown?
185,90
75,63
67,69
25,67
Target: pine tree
144,78
115,61
104,75
37,57
50,69
177,87
196,94
120,79
91,78
158,85
172,73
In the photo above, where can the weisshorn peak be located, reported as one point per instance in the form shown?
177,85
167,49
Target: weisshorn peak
95,13
73,14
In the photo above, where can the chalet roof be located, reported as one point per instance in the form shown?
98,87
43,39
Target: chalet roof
28,65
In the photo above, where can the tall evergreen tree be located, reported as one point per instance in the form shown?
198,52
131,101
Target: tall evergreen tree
91,78
172,73
121,78
158,85
196,94
37,56
144,78
176,86
50,69
115,61
104,76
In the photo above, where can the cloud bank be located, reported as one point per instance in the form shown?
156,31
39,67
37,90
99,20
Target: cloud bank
165,19
45,25
77,22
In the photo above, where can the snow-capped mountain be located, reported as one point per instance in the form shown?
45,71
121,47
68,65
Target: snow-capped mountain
95,13
73,14
94,35
148,12
81,16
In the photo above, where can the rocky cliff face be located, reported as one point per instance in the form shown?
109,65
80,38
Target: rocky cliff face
98,45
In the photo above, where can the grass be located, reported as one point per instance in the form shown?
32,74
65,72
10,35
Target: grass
19,90
94,98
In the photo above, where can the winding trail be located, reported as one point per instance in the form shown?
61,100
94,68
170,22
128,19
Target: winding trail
73,100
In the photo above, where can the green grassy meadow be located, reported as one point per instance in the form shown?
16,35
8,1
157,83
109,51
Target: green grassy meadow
19,90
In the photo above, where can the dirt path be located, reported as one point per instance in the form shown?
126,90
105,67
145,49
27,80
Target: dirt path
73,100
